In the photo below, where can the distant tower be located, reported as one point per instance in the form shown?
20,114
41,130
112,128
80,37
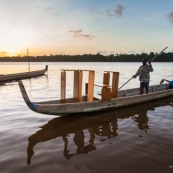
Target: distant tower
28,60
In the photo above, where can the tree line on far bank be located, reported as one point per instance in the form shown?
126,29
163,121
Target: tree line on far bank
164,57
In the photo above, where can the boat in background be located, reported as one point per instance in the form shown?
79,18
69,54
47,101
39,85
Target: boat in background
24,75
111,98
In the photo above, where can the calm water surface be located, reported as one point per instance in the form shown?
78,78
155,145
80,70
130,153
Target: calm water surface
137,139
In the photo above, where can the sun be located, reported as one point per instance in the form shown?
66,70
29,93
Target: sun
17,42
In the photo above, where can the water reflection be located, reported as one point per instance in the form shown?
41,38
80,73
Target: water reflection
95,124
142,120
79,142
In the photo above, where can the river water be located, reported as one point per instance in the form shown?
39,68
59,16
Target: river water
134,139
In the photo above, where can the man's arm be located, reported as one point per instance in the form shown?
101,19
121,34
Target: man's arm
137,73
150,66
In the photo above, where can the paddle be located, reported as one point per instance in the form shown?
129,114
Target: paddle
125,83
150,61
159,53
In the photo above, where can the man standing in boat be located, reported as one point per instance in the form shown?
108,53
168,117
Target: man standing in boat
144,75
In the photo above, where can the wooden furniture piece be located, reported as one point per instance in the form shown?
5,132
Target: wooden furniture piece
77,85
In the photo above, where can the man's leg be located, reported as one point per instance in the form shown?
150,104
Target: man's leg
146,86
141,87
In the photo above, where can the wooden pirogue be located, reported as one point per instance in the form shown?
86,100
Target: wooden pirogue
24,75
111,98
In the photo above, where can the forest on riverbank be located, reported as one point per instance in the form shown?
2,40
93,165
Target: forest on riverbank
164,57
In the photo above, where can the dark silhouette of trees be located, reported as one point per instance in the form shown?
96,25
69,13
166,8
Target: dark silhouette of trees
164,57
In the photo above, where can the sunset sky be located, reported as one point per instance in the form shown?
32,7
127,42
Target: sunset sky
71,27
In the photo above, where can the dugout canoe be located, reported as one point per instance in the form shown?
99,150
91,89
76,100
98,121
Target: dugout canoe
70,106
24,75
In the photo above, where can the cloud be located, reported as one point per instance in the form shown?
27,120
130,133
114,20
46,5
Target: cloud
170,17
119,10
89,37
77,33
109,13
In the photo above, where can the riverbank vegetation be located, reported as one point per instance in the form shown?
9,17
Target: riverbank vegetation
164,57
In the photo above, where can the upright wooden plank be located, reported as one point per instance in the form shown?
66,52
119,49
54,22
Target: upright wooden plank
63,85
91,86
76,85
106,94
106,78
80,85
115,82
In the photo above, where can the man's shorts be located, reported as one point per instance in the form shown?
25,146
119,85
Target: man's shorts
144,85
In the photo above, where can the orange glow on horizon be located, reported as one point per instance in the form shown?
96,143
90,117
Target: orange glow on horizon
16,42
42,52
11,54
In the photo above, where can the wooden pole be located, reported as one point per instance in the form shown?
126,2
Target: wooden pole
63,85
77,87
91,86
106,78
115,81
80,85
28,60
106,93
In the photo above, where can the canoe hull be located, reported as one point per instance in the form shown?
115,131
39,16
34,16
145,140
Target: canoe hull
24,75
58,108
71,108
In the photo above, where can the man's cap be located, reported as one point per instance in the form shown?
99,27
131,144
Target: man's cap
144,60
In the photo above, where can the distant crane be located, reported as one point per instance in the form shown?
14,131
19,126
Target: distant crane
28,60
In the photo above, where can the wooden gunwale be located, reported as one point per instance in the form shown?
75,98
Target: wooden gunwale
55,108
19,76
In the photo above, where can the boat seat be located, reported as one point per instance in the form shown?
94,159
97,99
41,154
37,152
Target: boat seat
105,93
98,85
102,85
